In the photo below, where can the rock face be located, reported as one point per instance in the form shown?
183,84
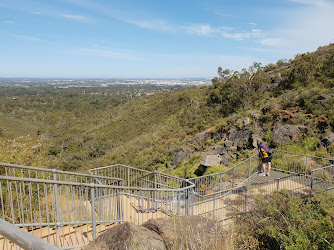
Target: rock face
127,236
219,155
202,136
327,141
188,232
287,133
181,155
240,136
324,98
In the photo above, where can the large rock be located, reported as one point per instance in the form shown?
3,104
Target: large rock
201,137
127,236
240,136
219,155
188,232
287,133
181,155
324,98
327,141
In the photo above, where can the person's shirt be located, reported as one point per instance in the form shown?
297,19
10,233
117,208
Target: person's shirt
263,149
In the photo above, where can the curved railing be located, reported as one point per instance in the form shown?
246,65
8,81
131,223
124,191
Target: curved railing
69,209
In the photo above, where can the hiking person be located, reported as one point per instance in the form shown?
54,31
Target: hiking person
266,155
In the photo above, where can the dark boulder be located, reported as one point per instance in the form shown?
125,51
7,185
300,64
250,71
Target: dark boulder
327,141
287,133
181,155
240,136
324,98
219,155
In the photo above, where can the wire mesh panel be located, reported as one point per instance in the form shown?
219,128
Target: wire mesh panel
68,214
228,179
296,163
322,179
58,212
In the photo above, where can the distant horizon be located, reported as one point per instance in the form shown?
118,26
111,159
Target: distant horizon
104,78
155,39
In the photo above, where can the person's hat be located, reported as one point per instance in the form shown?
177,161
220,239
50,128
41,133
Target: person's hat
258,140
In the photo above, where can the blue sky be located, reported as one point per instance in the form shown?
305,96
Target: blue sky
155,39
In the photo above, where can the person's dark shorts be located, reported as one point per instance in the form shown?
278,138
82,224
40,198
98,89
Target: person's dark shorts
267,159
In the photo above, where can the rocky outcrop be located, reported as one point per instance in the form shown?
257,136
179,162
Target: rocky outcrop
240,136
181,155
202,136
327,141
287,133
324,98
127,236
188,232
254,114
219,155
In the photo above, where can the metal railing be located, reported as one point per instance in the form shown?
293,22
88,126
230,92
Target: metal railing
292,163
14,170
69,214
71,209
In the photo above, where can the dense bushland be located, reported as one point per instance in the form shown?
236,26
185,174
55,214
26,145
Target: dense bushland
76,129
288,222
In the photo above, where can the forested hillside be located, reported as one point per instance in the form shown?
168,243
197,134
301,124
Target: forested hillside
77,129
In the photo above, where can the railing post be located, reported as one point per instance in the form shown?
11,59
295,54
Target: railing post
155,191
178,203
92,197
312,180
246,198
220,185
249,168
128,177
119,208
186,201
56,196
306,164
214,206
191,198
233,177
148,200
278,184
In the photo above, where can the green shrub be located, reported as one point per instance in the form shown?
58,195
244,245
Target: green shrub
289,222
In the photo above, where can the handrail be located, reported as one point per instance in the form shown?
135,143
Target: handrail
94,185
22,238
116,165
57,171
194,178
311,156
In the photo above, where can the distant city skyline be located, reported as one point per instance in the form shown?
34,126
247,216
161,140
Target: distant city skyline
155,39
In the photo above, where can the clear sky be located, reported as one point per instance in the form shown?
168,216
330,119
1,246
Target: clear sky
155,38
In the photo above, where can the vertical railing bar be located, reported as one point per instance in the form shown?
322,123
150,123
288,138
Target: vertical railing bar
178,202
92,193
62,215
312,180
278,180
31,208
68,211
47,213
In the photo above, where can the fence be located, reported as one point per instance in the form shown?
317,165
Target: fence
69,214
71,209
